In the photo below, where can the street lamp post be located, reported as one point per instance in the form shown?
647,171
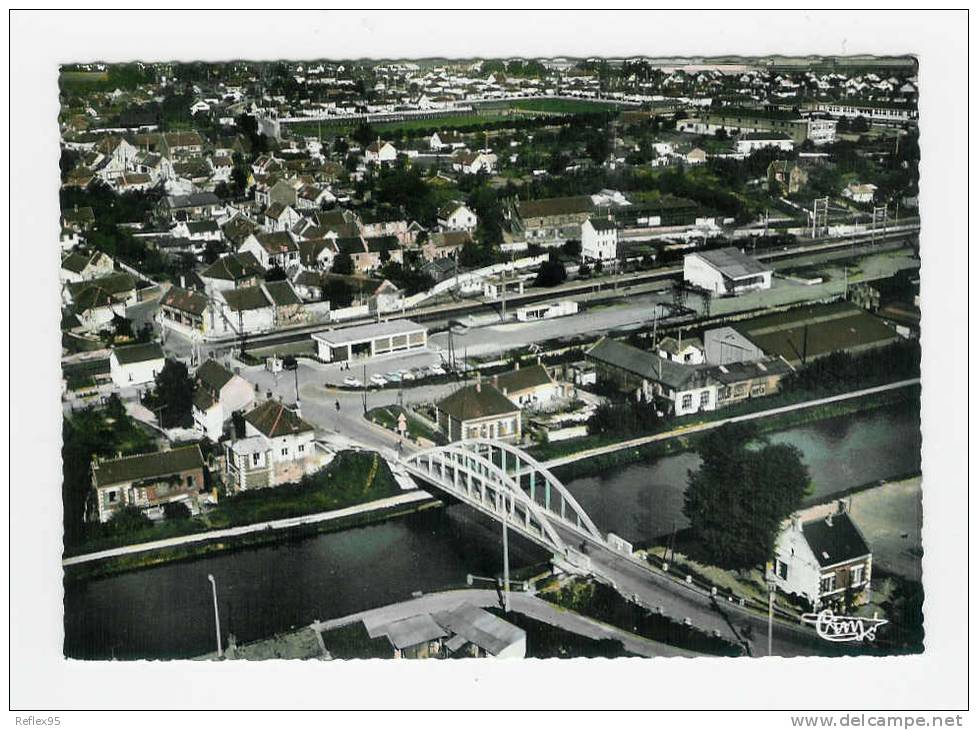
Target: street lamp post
770,619
217,616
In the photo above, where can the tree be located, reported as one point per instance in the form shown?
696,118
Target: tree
364,134
552,272
174,394
741,493
343,263
127,520
176,511
572,248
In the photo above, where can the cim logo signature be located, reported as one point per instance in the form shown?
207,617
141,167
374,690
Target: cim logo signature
843,628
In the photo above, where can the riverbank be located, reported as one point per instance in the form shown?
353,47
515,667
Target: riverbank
190,547
596,460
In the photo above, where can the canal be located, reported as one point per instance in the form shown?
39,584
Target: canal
167,611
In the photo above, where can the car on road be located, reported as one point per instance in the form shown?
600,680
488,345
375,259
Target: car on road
352,382
378,379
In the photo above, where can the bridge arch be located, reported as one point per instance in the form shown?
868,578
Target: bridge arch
503,480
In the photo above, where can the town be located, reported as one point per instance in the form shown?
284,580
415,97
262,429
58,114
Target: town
530,357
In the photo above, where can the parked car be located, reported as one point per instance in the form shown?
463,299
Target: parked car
378,379
407,375
352,382
437,370
393,377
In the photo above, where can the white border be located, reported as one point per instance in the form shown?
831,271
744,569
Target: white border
40,679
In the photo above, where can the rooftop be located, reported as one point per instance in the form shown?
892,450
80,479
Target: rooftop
472,402
732,262
146,466
364,332
128,354
274,419
835,539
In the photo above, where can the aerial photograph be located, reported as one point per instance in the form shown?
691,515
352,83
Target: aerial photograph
495,357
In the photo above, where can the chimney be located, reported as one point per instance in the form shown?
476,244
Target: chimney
842,506
298,408
495,381
828,520
517,365
796,523
478,382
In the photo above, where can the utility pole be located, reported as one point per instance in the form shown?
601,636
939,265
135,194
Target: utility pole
770,620
217,617
505,556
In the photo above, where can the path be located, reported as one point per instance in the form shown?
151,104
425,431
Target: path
700,427
398,500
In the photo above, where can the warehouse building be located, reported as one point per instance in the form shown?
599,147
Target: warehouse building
370,340
725,271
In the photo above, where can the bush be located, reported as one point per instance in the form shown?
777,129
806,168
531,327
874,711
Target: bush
176,511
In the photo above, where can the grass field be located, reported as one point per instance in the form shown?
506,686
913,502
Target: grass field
563,106
71,80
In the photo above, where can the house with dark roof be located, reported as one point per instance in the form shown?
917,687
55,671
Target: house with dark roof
826,561
479,411
232,271
147,481
77,267
185,311
246,309
218,394
529,387
457,216
277,447
599,240
725,271
550,219
134,365
278,248
679,389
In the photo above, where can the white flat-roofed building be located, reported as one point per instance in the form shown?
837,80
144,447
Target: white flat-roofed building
725,271
370,340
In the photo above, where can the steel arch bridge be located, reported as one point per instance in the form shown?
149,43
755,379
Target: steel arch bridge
509,485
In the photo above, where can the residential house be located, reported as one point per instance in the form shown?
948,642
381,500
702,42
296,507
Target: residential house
185,311
551,219
218,394
385,222
857,193
479,411
147,481
785,177
135,365
444,244
77,267
696,156
529,387
78,219
279,217
232,271
317,254
272,249
442,141
472,163
194,206
456,216
119,287
278,447
246,309
739,381
687,351
825,562
753,141
380,152
599,240
679,389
